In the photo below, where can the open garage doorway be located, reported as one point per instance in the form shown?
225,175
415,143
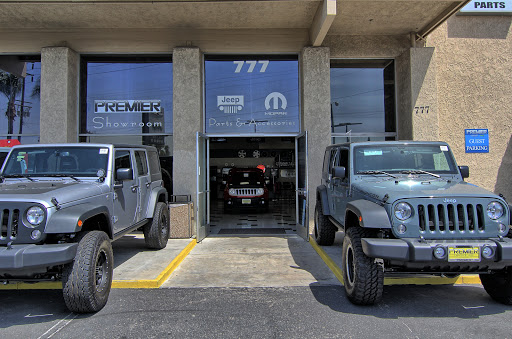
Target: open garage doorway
254,186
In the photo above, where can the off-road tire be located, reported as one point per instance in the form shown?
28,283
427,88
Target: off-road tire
499,285
363,278
86,281
325,231
156,232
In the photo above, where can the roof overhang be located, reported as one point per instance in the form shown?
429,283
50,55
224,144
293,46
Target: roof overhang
315,18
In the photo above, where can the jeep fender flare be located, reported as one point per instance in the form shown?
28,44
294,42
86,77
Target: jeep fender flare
65,220
321,195
369,214
158,194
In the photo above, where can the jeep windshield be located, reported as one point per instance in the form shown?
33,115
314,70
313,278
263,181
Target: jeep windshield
58,161
432,160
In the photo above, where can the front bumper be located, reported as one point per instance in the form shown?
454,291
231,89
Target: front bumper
421,252
34,257
241,202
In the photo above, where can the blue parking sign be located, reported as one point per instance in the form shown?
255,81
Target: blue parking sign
477,140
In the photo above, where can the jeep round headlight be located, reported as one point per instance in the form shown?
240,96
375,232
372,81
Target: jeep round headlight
35,215
494,210
260,191
232,191
403,211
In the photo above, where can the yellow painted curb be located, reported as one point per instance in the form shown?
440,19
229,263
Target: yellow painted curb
327,259
155,283
462,279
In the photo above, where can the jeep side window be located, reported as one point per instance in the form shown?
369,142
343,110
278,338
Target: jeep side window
142,164
332,159
343,161
123,160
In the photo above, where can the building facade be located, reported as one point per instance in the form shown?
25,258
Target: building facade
280,80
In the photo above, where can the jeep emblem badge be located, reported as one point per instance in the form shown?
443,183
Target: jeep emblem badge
450,201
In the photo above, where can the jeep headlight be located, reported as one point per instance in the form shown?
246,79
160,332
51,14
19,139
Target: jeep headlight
403,211
232,192
35,215
260,191
495,210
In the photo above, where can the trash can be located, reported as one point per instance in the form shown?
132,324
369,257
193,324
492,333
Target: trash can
181,211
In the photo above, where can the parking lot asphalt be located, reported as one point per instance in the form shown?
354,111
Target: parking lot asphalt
233,261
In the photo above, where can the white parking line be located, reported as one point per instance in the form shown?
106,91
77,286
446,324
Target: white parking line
58,326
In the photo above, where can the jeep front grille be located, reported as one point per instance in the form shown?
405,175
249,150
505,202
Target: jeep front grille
9,224
454,218
245,192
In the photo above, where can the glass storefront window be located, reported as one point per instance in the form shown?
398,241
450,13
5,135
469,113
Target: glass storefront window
363,99
127,99
252,94
20,87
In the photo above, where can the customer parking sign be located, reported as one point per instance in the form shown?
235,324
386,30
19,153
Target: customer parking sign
477,140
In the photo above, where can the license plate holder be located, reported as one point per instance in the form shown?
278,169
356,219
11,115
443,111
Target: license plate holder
246,201
464,254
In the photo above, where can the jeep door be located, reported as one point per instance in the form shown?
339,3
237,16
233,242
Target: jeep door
340,186
144,182
125,192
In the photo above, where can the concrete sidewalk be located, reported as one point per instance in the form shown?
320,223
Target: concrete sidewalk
256,261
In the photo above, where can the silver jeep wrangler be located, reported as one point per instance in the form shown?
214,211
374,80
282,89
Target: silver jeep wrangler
406,209
63,204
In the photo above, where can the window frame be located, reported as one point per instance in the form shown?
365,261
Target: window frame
366,63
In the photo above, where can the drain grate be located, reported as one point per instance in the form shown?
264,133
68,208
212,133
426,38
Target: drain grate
252,231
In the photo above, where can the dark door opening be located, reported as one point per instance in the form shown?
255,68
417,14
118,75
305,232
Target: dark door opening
252,185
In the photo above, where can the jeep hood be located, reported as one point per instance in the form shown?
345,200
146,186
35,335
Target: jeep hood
64,191
405,188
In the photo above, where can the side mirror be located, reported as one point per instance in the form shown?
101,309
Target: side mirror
338,172
123,174
464,171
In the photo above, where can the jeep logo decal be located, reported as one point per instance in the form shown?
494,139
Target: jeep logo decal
450,201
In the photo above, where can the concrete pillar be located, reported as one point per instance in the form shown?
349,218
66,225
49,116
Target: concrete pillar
187,117
316,117
417,95
60,69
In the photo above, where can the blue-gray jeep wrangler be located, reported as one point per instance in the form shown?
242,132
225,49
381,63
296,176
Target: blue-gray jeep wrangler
405,208
63,204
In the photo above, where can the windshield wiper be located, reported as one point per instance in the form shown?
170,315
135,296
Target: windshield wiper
419,172
17,176
377,172
60,176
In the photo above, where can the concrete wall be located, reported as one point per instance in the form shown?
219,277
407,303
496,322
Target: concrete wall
315,86
59,95
474,72
187,118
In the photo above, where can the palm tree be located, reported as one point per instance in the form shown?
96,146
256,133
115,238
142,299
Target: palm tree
10,85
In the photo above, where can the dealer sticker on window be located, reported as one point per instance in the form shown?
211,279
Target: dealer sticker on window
103,150
456,254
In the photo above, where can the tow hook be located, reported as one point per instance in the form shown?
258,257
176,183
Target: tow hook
379,262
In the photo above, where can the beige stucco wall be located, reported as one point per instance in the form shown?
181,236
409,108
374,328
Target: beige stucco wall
474,86
417,108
